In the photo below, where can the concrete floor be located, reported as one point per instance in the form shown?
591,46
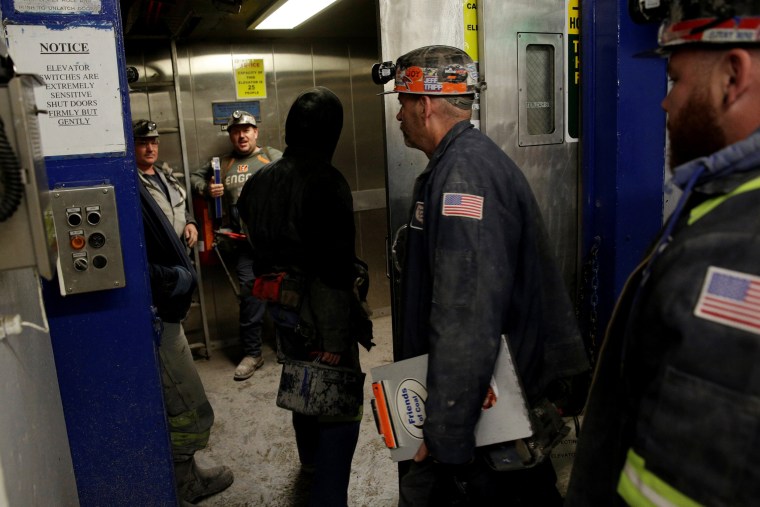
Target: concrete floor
255,438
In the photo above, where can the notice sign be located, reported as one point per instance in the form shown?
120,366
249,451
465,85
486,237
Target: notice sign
81,93
59,6
250,82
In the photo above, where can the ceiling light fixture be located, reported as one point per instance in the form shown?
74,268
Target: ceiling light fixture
289,14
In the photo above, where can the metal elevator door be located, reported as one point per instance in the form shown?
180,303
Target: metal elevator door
523,57
529,108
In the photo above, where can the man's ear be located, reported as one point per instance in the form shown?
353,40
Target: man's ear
426,106
737,68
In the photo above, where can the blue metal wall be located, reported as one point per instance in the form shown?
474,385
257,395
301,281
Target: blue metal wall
622,145
103,342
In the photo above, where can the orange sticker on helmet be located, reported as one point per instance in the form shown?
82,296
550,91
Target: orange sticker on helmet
413,74
454,88
452,79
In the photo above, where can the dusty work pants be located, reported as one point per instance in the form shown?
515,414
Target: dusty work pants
189,413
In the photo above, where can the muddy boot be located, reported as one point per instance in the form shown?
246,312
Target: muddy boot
194,483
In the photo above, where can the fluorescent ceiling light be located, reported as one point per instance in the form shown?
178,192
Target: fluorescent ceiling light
291,14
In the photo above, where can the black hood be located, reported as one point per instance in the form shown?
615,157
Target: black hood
314,123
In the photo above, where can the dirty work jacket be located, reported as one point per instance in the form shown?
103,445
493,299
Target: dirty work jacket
175,205
298,213
674,411
477,265
165,251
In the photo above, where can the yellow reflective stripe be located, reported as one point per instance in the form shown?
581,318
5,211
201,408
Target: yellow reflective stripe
184,420
641,488
183,433
189,439
707,206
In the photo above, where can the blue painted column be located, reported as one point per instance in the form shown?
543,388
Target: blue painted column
623,137
103,342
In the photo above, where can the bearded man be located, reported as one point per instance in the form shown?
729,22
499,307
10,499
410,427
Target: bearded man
672,417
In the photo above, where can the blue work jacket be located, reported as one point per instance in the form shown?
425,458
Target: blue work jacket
477,265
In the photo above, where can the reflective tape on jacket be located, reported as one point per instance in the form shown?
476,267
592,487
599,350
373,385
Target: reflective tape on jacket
706,207
641,488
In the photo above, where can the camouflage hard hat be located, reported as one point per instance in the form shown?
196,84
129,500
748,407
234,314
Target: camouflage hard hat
430,70
144,128
710,22
241,118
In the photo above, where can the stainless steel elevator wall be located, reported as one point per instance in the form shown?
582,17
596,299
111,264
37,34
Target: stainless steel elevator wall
180,93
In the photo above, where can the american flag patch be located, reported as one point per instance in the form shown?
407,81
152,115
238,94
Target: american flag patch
731,298
463,205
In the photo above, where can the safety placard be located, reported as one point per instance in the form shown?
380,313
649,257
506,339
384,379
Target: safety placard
58,6
250,81
81,94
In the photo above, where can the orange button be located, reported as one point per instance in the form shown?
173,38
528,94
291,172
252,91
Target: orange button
77,242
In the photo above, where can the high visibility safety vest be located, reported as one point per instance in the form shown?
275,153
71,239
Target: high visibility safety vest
639,486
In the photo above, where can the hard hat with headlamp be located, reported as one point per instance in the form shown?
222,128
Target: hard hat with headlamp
144,128
241,118
701,22
430,70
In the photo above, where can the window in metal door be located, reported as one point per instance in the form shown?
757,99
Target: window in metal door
539,70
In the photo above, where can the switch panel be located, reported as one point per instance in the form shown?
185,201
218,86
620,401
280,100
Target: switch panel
89,245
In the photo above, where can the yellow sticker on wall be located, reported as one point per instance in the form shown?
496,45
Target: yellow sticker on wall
573,17
471,29
250,80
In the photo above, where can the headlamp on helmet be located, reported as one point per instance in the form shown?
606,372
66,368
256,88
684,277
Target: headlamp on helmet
383,72
241,118
145,128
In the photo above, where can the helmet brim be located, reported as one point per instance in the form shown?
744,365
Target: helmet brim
431,94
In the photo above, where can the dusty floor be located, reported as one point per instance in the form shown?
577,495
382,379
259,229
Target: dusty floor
255,438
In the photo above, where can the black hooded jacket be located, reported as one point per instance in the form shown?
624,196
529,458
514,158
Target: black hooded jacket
165,251
298,210
298,213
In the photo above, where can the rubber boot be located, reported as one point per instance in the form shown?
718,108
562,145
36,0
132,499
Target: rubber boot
194,483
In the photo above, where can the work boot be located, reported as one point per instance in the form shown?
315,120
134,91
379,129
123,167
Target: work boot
194,483
247,366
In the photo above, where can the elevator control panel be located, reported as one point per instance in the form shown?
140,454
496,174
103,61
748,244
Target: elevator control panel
89,244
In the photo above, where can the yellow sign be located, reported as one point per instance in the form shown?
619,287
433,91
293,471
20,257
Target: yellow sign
471,29
573,18
573,68
250,81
